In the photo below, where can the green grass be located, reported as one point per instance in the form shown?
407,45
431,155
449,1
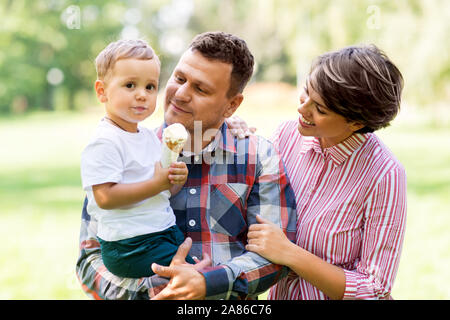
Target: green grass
41,199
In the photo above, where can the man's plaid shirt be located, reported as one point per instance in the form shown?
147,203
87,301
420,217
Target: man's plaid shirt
229,183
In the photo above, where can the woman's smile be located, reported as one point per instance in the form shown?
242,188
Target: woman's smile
305,123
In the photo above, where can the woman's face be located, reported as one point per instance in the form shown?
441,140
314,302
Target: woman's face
319,121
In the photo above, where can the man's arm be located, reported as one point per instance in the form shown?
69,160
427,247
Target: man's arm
248,274
272,198
100,284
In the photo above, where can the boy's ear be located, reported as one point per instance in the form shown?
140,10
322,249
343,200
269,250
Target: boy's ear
100,90
234,104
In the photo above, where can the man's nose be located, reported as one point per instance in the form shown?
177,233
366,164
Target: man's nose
183,93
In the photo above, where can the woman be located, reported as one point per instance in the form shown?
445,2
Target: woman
350,189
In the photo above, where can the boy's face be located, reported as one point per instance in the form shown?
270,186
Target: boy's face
129,91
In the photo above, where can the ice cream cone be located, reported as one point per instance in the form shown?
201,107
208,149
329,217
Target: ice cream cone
173,140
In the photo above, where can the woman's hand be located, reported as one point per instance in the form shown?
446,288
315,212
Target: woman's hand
239,127
269,241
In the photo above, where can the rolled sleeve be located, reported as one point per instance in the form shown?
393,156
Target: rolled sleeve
219,282
382,240
351,285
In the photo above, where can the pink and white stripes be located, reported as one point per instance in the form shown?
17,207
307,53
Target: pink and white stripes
351,207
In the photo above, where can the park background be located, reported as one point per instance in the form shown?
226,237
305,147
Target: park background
48,110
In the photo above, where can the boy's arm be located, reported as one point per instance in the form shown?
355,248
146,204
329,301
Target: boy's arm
115,195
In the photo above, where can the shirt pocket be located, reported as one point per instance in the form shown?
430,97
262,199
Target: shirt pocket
226,213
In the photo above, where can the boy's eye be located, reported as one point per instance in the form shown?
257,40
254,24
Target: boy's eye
150,87
129,85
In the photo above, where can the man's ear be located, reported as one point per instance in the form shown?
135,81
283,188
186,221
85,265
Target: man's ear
234,104
100,90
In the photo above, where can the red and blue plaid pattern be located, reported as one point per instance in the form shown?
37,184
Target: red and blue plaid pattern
228,185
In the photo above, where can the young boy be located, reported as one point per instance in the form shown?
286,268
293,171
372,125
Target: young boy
127,189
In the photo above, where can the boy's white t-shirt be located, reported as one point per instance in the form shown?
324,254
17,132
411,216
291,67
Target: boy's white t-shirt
115,155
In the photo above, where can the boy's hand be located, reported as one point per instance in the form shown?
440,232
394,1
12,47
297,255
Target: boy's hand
161,175
178,173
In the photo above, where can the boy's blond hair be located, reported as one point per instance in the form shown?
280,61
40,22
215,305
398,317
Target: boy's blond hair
122,49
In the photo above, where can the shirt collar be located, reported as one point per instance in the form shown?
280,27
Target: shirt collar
337,153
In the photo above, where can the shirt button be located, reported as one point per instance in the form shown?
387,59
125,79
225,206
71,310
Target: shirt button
192,191
192,222
196,158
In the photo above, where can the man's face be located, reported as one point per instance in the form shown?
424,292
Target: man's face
197,91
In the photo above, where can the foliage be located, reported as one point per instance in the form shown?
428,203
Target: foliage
54,41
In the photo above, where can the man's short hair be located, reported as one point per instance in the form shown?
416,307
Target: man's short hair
230,49
359,83
122,49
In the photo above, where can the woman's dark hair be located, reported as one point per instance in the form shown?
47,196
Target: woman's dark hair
359,83
230,49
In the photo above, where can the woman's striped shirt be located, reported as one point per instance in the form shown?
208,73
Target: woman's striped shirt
351,207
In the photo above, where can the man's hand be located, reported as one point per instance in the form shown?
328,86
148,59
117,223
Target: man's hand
186,283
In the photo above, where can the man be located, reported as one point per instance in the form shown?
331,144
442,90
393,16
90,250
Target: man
230,182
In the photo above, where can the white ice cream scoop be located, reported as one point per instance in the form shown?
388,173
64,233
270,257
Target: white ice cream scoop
173,140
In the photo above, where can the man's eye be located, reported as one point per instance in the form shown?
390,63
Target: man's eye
130,85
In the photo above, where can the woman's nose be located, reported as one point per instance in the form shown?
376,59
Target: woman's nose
303,102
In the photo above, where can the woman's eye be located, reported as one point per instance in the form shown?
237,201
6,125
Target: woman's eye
320,110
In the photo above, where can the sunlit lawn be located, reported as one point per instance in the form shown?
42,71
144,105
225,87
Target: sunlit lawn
41,197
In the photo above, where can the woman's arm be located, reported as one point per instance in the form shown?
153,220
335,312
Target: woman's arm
375,272
268,240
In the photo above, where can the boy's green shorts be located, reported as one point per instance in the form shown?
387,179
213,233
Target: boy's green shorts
132,258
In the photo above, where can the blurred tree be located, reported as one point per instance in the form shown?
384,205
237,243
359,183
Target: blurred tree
51,45
48,47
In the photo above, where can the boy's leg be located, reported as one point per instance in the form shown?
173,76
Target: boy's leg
179,239
135,256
